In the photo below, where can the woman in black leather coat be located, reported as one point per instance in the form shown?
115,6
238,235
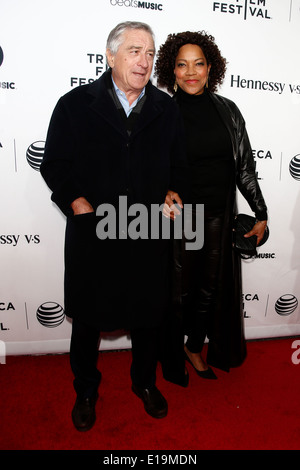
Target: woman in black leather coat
208,281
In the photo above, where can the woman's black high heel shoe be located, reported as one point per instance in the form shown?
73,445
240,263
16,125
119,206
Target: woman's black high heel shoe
204,374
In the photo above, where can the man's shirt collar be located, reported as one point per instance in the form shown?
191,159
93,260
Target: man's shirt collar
123,100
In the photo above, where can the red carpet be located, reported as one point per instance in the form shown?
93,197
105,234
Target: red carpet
254,407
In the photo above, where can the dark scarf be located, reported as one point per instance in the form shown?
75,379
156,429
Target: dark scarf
129,121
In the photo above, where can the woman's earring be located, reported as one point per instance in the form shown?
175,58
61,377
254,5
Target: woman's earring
206,82
175,87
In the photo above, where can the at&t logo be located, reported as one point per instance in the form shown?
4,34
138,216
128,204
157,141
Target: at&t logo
50,314
35,154
295,167
286,304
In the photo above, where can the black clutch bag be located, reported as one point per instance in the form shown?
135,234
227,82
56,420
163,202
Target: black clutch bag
246,247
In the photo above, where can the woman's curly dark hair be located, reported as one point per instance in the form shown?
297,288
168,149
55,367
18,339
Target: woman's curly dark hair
167,53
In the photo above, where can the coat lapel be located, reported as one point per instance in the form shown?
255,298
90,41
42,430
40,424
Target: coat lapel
152,108
226,117
102,103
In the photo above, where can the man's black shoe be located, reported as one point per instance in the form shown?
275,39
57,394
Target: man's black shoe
84,414
154,403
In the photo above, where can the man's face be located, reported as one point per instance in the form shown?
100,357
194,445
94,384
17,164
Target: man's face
132,64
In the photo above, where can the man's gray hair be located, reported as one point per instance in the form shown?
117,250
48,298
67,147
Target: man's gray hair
115,37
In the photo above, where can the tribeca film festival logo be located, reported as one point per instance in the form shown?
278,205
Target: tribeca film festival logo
136,222
246,298
137,4
260,154
244,8
99,62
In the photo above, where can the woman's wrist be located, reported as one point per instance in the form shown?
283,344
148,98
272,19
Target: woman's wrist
263,222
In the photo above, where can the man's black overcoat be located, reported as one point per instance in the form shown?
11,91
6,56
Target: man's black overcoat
113,283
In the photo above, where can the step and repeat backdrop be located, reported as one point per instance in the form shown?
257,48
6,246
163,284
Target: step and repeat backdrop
49,47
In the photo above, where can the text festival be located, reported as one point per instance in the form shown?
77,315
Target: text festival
254,8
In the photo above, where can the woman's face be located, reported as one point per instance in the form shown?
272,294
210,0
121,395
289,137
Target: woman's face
191,69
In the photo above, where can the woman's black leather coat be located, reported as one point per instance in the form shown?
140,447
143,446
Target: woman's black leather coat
227,347
245,176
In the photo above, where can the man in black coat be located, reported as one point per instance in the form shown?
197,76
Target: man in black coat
114,147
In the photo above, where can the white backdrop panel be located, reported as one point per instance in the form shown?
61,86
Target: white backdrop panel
49,47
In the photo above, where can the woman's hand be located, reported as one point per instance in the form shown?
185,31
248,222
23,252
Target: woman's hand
258,230
81,206
170,210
